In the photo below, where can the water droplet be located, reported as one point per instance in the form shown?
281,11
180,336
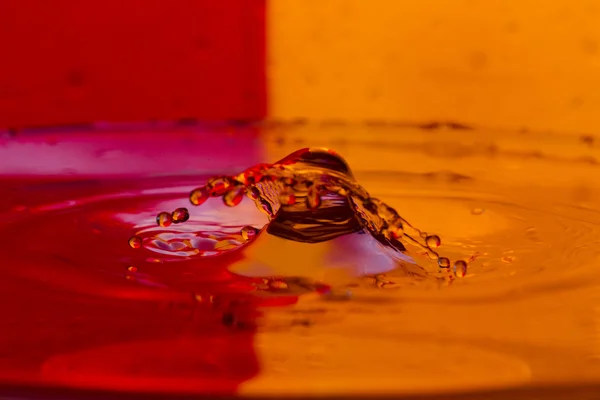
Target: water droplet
218,186
313,198
132,269
444,262
180,215
234,197
433,241
477,211
199,196
287,182
287,199
460,268
135,242
164,219
248,232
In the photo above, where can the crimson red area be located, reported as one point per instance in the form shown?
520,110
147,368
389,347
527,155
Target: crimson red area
71,61
76,315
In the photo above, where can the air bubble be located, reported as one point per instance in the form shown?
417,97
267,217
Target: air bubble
313,198
444,262
199,196
180,215
248,232
460,268
234,197
135,242
477,211
164,219
433,241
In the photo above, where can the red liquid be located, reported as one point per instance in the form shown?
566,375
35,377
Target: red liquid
80,307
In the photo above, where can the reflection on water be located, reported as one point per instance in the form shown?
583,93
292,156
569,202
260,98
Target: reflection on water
521,210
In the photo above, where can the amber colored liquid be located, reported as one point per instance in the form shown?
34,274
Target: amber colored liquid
83,309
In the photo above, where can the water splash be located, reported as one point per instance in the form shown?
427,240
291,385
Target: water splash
310,196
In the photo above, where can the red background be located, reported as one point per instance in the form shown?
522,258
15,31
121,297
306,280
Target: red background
73,61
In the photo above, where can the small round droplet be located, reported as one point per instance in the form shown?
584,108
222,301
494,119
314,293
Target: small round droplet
132,269
199,196
248,232
433,241
444,262
135,242
180,215
313,198
234,197
460,268
164,219
477,211
287,199
218,186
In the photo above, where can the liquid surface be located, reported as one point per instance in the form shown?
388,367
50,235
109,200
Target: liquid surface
309,197
102,291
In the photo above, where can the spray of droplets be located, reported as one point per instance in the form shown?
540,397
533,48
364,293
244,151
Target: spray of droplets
309,175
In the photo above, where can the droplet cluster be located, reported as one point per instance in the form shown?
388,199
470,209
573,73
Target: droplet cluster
299,180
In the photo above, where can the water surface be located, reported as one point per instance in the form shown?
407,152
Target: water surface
84,309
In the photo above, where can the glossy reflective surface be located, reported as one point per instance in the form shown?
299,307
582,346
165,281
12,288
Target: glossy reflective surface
85,309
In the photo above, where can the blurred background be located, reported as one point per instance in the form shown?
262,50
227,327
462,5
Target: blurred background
528,65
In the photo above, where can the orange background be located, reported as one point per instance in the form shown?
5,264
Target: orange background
493,63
